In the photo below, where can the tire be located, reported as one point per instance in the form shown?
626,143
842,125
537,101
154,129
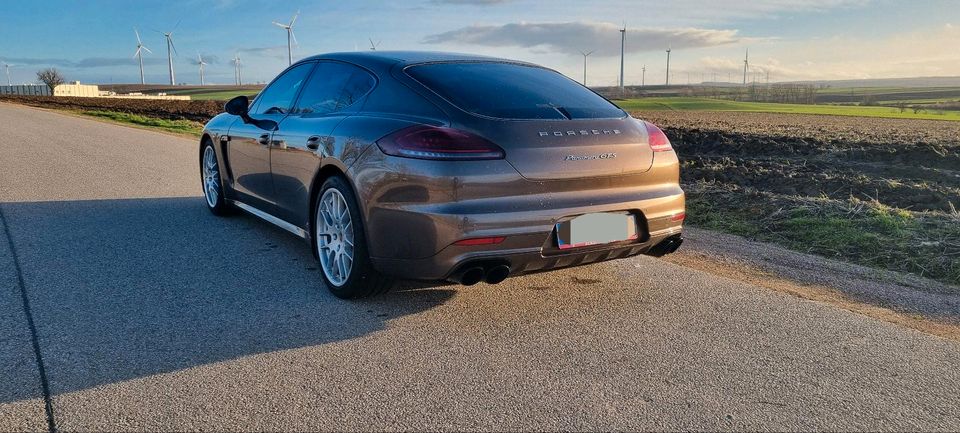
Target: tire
346,269
211,181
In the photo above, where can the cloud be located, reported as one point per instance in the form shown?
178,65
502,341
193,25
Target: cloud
89,62
727,10
720,64
775,6
572,37
209,59
276,51
469,2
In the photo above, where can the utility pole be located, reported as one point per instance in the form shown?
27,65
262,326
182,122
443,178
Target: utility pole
623,41
585,54
668,67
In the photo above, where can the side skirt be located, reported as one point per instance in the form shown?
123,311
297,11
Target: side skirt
272,219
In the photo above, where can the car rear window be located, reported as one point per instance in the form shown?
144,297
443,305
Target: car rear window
512,91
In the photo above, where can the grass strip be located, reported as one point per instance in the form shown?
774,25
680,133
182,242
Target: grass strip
175,126
863,232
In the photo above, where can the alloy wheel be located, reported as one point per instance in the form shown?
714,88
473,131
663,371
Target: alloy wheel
211,177
335,237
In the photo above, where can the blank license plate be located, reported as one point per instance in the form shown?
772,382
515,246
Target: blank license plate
596,229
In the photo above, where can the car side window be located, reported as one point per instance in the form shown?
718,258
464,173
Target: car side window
278,97
334,86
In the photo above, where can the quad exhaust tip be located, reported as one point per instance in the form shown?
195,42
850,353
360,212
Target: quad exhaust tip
497,274
471,276
667,246
474,274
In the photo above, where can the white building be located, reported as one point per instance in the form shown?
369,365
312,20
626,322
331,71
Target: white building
76,89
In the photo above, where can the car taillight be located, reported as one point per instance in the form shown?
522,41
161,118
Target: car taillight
657,139
433,142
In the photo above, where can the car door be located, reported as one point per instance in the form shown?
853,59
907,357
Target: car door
248,144
306,136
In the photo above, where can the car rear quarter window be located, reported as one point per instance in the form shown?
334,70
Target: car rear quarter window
278,97
333,87
512,91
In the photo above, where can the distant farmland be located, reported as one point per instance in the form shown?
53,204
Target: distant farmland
710,104
195,92
207,94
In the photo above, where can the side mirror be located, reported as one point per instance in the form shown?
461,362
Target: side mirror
238,106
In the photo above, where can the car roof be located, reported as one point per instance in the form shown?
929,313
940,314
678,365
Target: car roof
377,59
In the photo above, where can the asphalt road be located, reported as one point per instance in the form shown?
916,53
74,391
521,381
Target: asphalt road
150,313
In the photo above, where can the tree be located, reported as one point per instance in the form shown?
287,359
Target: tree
51,77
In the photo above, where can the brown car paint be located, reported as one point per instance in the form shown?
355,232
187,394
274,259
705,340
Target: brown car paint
414,210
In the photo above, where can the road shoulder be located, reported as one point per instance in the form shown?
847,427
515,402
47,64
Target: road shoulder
918,303
81,114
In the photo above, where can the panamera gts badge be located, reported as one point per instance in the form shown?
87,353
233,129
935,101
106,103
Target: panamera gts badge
608,155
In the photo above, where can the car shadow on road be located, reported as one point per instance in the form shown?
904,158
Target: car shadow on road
123,289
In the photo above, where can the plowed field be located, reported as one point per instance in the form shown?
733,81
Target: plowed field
880,192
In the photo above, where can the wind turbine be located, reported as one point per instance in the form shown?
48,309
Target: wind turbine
291,39
7,66
746,66
171,50
623,42
643,76
373,46
668,67
236,70
202,64
139,54
585,54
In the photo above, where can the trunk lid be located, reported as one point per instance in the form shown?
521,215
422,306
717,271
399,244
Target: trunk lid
570,149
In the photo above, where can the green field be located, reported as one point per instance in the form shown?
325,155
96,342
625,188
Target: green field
934,92
215,95
889,96
707,104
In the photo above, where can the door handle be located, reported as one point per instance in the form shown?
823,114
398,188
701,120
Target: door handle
264,139
313,143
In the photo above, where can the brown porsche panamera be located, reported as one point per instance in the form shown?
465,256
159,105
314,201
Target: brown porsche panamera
437,166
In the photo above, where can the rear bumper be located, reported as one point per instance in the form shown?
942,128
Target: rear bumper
521,261
530,244
414,212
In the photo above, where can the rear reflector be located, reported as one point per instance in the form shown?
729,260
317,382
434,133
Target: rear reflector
433,142
657,139
678,217
480,241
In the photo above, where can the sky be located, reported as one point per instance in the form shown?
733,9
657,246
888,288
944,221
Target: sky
94,41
